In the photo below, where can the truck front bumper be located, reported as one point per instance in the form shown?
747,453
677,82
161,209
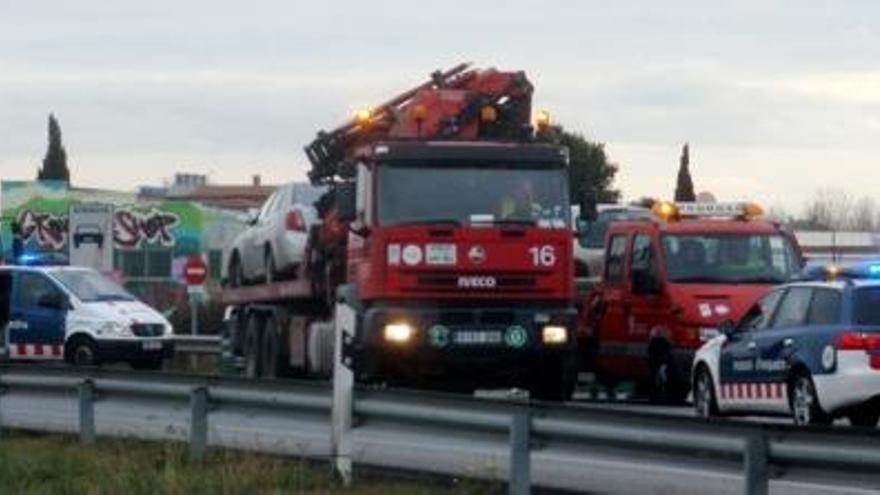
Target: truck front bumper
483,346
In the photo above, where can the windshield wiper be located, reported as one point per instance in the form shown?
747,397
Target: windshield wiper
515,221
111,297
697,279
761,279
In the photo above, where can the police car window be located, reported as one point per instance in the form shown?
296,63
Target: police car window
760,320
825,308
616,254
793,308
32,287
866,306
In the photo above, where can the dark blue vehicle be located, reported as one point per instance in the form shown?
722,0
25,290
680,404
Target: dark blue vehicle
810,349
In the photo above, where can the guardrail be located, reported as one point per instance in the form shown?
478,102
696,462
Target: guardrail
527,444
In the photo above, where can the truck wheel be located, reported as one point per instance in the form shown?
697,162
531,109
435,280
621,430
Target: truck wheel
554,381
81,352
667,383
804,403
273,358
251,349
864,416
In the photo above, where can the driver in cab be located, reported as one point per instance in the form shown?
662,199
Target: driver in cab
520,203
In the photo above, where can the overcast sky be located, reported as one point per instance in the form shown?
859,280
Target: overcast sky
776,98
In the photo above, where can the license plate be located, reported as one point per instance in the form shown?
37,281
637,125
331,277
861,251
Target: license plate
440,254
152,346
477,337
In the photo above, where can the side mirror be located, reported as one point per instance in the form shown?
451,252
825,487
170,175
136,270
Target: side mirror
589,209
645,282
346,205
252,215
727,328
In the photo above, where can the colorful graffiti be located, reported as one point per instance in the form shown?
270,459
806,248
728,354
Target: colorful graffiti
44,229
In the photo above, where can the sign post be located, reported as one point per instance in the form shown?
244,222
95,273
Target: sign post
195,272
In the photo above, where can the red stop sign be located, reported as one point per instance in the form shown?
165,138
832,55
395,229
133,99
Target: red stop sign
195,271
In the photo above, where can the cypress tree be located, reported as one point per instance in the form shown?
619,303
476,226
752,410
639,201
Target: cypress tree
55,162
684,188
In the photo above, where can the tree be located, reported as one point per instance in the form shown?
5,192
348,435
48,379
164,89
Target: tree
55,162
590,172
684,188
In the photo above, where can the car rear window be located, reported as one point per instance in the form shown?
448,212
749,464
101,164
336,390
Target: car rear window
866,306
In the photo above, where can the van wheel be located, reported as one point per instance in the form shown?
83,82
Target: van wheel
81,352
251,349
273,359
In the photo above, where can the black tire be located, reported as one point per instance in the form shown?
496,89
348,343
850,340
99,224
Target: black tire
152,364
554,381
705,400
804,403
81,351
864,416
252,349
273,364
668,385
236,277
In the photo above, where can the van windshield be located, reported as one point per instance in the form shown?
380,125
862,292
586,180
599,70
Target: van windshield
91,286
730,258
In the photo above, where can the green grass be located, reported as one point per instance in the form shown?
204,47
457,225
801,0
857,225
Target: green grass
56,465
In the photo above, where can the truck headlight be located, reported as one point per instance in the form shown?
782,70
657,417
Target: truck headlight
398,333
554,334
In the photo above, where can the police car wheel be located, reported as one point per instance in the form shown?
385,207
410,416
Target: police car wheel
804,403
704,395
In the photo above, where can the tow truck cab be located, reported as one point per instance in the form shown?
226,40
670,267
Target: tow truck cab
450,284
670,281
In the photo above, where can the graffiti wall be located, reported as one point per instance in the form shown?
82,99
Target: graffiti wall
151,238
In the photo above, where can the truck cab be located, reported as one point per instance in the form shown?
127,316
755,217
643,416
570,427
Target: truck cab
460,257
668,283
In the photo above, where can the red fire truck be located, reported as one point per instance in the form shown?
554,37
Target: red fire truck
669,281
446,229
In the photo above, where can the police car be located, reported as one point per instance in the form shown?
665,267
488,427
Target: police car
808,349
76,314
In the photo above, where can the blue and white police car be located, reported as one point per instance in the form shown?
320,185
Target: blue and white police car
78,315
808,349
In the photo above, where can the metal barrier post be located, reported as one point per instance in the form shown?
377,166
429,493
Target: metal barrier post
755,460
520,452
86,391
198,426
343,393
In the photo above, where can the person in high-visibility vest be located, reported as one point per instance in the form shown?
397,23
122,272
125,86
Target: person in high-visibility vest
520,203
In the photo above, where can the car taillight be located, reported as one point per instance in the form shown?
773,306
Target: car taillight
858,341
861,341
295,221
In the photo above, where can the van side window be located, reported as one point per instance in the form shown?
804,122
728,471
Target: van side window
615,258
32,287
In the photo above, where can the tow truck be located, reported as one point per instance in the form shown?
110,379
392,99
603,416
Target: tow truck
669,281
445,237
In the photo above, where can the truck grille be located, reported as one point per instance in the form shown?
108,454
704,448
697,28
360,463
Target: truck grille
148,329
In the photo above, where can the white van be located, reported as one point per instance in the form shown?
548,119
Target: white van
78,315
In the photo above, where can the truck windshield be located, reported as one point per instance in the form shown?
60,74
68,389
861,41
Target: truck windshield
465,195
730,258
91,286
